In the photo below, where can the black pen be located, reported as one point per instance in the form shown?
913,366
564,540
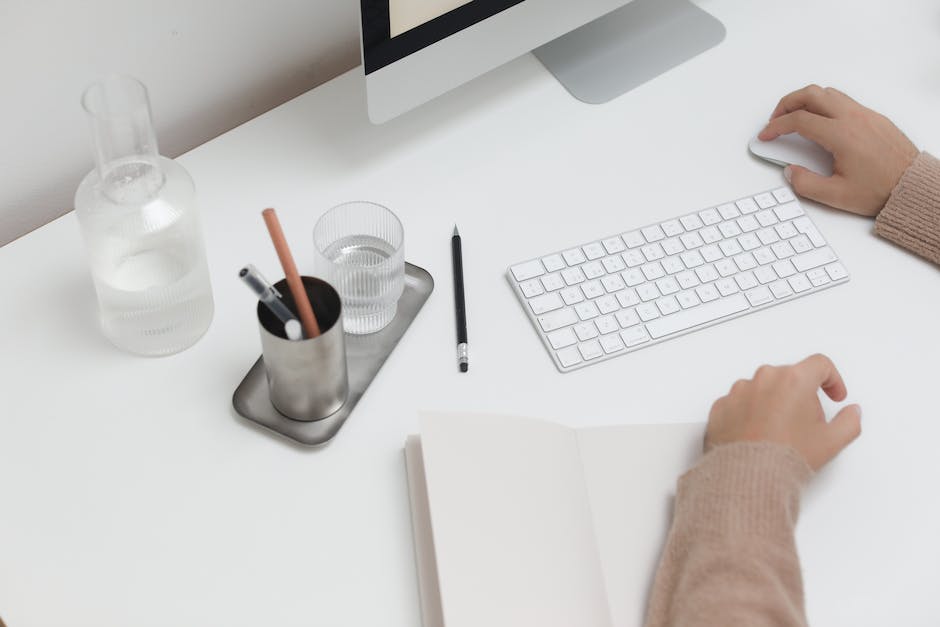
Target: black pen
457,256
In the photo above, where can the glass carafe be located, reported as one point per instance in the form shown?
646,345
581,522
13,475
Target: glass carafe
138,217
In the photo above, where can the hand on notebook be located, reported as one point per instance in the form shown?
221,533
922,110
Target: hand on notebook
870,152
780,404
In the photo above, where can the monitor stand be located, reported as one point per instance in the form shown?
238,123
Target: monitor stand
627,47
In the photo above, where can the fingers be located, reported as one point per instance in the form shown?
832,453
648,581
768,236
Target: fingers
817,128
844,428
829,190
813,98
823,372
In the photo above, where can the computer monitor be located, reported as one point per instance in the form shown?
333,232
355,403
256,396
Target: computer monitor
415,50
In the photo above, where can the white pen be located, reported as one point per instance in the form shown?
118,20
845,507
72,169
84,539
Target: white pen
268,295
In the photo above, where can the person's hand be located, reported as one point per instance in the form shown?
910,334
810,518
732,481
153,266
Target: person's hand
781,404
870,152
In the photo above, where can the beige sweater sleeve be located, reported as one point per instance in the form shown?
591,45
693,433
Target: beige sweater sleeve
730,558
911,217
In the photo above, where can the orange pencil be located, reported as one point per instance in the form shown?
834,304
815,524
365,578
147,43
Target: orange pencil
294,282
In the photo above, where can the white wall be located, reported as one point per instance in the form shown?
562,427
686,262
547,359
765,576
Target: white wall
209,64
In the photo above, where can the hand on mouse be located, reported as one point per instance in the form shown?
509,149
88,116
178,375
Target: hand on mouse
870,153
780,404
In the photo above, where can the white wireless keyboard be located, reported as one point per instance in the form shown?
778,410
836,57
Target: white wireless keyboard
631,290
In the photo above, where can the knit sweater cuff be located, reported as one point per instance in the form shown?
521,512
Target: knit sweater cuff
744,489
911,217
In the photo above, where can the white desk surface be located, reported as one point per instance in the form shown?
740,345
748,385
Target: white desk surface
131,493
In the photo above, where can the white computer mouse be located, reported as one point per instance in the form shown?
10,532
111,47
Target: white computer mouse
793,149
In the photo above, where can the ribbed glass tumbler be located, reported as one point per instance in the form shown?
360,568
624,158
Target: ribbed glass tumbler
360,249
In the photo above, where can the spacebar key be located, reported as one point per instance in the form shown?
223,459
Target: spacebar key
697,316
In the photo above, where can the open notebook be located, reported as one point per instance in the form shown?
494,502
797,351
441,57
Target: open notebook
520,521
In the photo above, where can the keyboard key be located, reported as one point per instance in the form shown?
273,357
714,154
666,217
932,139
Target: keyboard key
706,274
633,239
573,276
593,289
837,271
784,269
671,228
692,240
818,276
632,277
804,226
745,280
562,338
585,331
765,200
532,287
747,205
728,211
574,256
612,343
627,318
653,271
667,305
672,246
634,258
607,304
799,283
801,244
786,230
813,258
692,259
590,349
765,274
613,283
594,250
783,250
745,261
528,270
572,295
783,194
569,357
606,324
766,218
687,279
557,319
749,241
730,247
710,253
587,310
613,264
710,234
634,335
593,269
647,311
703,314
628,298
710,216
788,211
648,292
729,229
652,252
748,224
667,286
552,282
759,296
708,292
553,263
545,303
768,236
725,267
691,222
781,289
672,265
764,256
726,287
653,233
687,299
614,245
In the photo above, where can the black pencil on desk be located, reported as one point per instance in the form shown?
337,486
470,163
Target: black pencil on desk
457,255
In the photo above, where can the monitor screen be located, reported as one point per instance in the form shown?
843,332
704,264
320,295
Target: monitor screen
394,29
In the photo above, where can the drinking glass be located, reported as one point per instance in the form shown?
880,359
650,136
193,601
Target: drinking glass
359,249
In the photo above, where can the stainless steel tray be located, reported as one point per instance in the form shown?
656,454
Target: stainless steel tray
365,355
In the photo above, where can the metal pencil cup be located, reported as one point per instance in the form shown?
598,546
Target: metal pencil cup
306,378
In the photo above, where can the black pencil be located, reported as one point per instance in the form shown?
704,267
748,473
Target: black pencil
457,256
